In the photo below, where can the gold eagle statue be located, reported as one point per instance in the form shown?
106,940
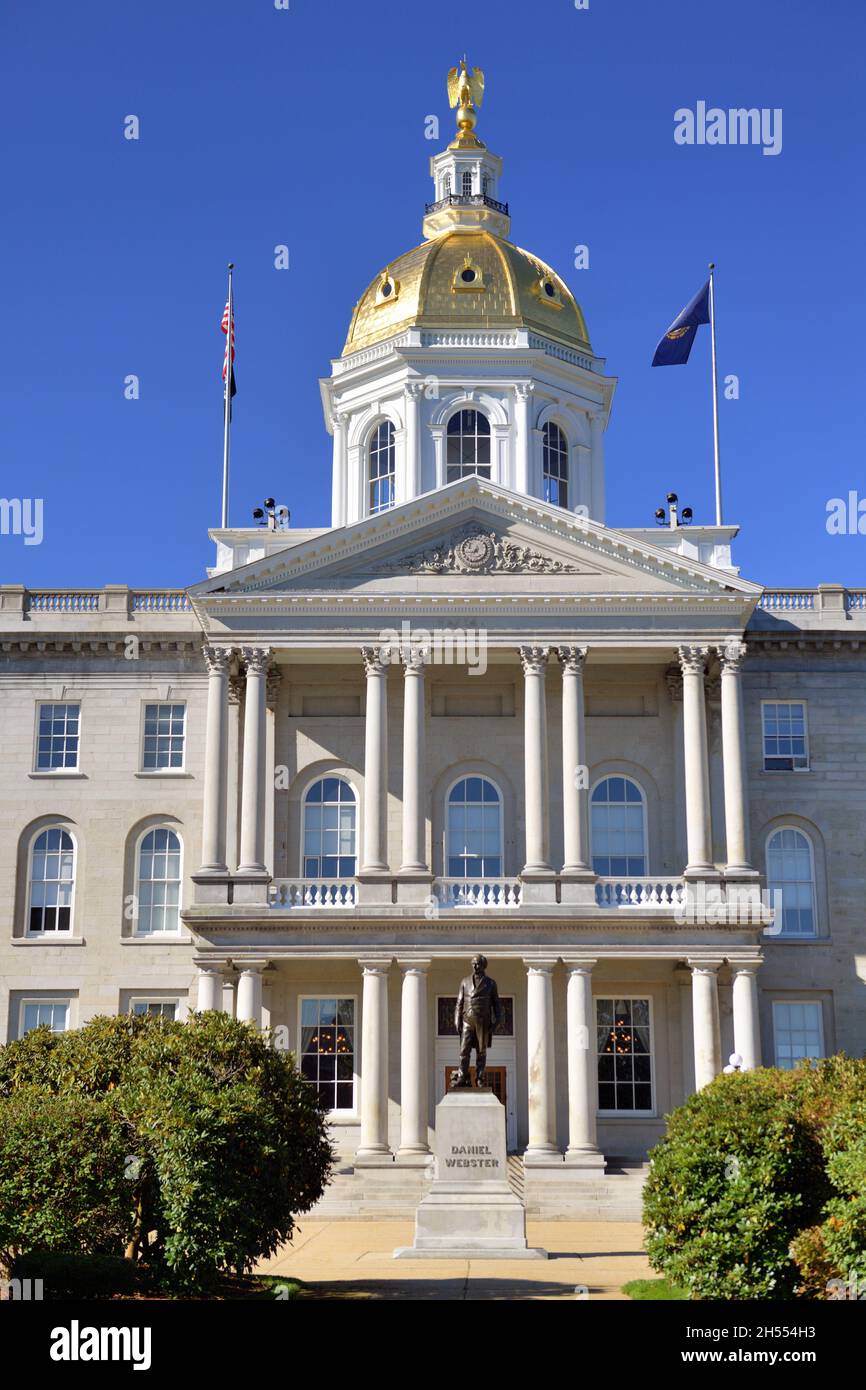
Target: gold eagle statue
465,86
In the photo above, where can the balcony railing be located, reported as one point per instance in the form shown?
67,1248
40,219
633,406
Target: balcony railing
477,892
313,892
640,892
467,200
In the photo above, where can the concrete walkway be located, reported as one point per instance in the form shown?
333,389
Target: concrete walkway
353,1259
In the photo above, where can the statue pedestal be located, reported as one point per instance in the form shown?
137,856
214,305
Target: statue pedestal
470,1211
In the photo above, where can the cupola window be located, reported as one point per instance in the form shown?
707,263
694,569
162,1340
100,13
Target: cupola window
380,477
468,445
469,277
388,289
555,465
467,184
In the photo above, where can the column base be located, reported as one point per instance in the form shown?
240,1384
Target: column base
707,871
591,1160
543,1158
414,1158
250,886
212,889
741,873
374,1158
538,888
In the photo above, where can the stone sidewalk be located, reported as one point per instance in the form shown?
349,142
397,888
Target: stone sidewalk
353,1259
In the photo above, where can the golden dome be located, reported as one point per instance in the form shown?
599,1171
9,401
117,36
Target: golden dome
467,279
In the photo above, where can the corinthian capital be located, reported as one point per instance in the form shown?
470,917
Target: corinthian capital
256,660
376,660
572,659
534,660
217,659
693,660
731,656
415,659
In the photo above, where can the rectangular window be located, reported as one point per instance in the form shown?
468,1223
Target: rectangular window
163,738
52,1013
798,1031
57,737
328,1050
158,1008
786,739
624,1039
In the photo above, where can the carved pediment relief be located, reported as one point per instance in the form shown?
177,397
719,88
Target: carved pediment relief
475,550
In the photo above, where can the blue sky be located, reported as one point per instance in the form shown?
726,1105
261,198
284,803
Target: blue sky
261,127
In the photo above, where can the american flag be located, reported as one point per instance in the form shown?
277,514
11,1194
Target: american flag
228,317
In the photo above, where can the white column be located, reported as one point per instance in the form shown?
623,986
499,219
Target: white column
413,1058
575,794
254,782
414,820
374,1061
596,445
674,680
412,466
437,434
541,1066
375,859
522,461
582,1062
734,759
339,481
747,1027
535,760
249,1005
210,988
696,758
705,1015
213,849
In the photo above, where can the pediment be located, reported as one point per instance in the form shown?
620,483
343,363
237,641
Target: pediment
479,538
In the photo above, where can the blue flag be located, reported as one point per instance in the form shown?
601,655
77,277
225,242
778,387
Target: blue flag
676,344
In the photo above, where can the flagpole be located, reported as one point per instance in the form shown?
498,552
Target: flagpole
715,399
228,402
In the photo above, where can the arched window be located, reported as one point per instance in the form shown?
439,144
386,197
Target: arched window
446,186
485,184
330,829
466,184
555,465
468,445
158,882
618,828
51,887
473,833
381,468
791,871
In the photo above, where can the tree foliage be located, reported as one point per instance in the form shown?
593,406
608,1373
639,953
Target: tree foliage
189,1146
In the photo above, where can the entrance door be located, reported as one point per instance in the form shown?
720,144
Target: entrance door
495,1080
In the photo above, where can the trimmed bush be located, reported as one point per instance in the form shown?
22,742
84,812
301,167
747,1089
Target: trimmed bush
758,1189
62,1184
190,1147
738,1175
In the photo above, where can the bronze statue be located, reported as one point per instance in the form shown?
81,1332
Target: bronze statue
478,1013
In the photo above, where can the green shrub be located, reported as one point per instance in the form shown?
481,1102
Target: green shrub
738,1175
758,1190
193,1145
62,1184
